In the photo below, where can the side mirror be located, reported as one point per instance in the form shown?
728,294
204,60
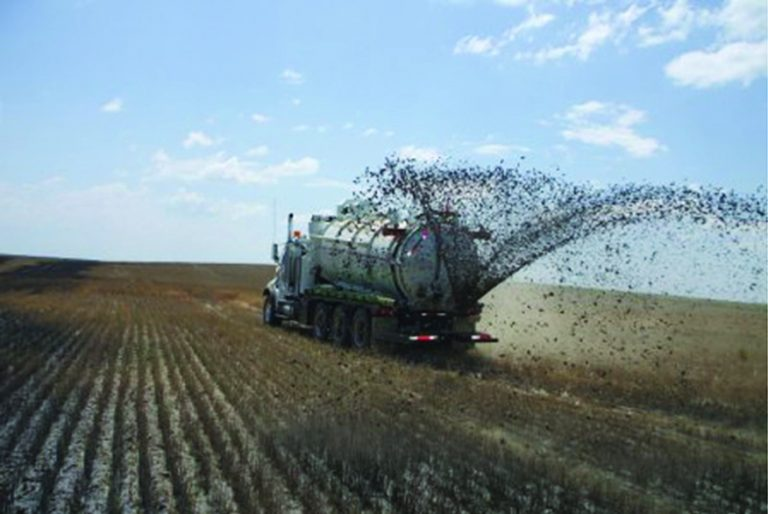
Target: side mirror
275,254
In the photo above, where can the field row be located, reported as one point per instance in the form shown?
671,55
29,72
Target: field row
135,400
124,411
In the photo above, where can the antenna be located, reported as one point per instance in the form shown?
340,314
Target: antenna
274,220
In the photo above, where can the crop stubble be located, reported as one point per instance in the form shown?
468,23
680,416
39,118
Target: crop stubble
124,393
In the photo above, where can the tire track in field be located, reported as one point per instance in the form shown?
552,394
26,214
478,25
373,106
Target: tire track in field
345,497
112,502
244,446
264,412
234,471
181,480
281,354
438,483
127,495
280,462
186,472
141,421
262,423
24,433
78,462
93,487
218,490
322,491
157,487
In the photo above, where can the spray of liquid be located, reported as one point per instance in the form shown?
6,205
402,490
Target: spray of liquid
522,216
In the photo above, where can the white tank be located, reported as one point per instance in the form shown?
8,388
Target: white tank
400,259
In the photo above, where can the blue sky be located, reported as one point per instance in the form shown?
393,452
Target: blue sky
168,130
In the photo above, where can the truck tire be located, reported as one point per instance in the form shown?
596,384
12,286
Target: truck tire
321,329
269,312
340,326
361,329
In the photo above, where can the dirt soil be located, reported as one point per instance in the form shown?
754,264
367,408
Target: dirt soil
156,388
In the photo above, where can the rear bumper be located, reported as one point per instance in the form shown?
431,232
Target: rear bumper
467,337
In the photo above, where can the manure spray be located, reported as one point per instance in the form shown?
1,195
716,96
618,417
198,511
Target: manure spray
524,216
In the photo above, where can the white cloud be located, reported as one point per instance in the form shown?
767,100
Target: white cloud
113,106
224,167
197,139
739,53
511,3
292,77
348,125
290,168
476,45
533,22
296,102
675,24
608,124
120,221
259,118
735,62
330,184
579,111
424,154
233,210
320,129
744,20
737,20
491,46
499,150
601,28
370,132
257,151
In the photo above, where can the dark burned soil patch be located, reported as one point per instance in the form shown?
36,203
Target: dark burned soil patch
42,275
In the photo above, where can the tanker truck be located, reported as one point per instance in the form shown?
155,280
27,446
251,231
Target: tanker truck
359,278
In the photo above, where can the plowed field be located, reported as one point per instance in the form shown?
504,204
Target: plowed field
155,388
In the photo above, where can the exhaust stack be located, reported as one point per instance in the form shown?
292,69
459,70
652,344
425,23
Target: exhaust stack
290,226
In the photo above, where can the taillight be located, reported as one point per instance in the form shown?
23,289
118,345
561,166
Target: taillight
423,338
482,336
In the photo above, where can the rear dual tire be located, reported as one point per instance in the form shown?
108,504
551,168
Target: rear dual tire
340,326
361,329
335,324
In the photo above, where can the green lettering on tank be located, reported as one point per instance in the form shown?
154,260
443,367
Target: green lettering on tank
329,291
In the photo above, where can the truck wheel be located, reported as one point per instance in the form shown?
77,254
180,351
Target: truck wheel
361,329
340,327
268,313
320,322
